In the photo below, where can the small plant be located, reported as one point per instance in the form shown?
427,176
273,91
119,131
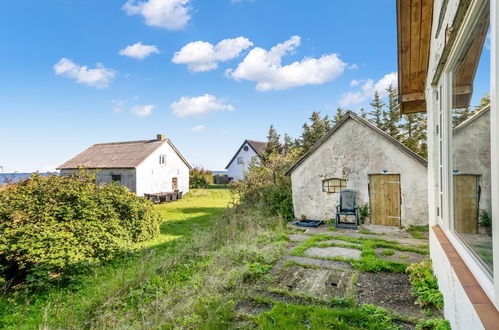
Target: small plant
425,285
486,221
388,252
433,324
364,210
303,217
417,231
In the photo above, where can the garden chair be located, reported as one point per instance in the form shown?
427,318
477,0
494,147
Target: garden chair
347,207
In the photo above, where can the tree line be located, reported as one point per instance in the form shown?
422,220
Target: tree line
409,129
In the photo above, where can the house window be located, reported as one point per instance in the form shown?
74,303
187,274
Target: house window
333,185
174,184
469,168
245,148
162,159
239,160
116,178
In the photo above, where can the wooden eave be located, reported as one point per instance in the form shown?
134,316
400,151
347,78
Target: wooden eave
414,20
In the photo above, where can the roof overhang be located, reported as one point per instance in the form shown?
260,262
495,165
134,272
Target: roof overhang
414,20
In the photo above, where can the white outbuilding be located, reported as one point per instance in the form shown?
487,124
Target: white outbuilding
387,176
241,160
144,167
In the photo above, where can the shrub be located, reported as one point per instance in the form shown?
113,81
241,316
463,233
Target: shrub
52,226
486,221
425,285
266,187
200,178
433,324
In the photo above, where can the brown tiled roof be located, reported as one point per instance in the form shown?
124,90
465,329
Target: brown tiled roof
257,146
117,155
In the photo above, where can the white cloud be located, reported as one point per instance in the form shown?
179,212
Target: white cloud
142,110
100,77
368,88
139,51
199,106
167,14
198,128
265,68
203,56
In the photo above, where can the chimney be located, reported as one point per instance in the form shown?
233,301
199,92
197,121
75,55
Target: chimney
160,137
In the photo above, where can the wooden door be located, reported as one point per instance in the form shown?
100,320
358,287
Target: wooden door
174,184
466,204
384,199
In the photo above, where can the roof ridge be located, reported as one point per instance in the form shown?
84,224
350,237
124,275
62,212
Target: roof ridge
126,142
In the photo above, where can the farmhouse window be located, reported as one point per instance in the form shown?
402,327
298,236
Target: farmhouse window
333,185
162,159
116,178
239,160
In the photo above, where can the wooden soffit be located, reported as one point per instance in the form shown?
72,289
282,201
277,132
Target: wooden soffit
414,19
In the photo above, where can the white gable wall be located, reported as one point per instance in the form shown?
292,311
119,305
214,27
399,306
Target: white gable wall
357,151
235,170
152,177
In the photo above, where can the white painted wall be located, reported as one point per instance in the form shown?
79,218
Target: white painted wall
357,151
152,177
235,170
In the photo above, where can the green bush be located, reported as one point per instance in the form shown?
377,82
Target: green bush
200,178
486,221
433,324
425,285
53,227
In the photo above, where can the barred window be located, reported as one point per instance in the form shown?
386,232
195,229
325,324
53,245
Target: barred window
333,185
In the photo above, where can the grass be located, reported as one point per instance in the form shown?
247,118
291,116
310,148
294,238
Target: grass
293,316
418,231
369,260
137,274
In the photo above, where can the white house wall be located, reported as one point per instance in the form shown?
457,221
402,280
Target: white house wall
356,151
235,170
152,177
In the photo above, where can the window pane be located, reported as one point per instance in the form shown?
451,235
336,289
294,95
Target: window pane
470,164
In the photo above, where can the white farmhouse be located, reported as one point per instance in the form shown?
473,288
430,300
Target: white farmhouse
354,154
243,157
144,167
448,64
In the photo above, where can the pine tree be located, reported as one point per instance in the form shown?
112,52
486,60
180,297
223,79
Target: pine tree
313,132
376,115
273,142
363,113
392,115
414,133
460,115
289,144
339,115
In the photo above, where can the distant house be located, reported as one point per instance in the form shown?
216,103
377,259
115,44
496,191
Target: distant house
354,154
144,167
243,157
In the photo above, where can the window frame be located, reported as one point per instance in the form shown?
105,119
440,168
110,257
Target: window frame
336,188
162,159
114,178
446,218
239,160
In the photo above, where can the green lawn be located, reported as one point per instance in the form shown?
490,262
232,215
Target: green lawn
78,305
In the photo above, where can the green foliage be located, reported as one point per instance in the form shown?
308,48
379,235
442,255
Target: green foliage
433,324
486,221
425,285
273,142
53,227
312,132
200,178
265,186
388,252
291,316
376,114
416,231
339,115
364,210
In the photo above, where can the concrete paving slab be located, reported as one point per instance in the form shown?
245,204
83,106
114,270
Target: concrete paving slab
331,252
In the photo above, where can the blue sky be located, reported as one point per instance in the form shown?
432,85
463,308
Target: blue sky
56,100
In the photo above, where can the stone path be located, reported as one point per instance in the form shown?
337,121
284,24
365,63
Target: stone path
315,275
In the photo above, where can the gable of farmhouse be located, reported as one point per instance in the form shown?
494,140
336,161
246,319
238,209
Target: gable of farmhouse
243,157
356,155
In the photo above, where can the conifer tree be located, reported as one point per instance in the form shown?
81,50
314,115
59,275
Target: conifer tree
273,142
289,144
376,115
392,115
363,113
313,132
339,114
